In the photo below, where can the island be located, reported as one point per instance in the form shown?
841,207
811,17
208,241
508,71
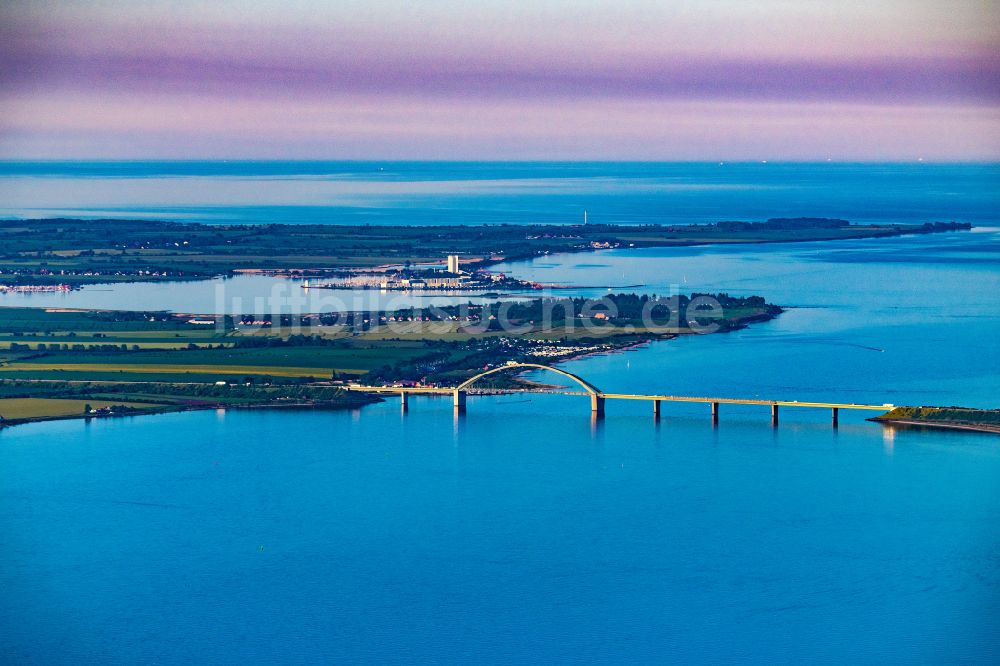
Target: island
72,252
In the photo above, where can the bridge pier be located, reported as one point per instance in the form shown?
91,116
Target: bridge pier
404,400
458,399
597,404
836,417
715,413
774,415
656,410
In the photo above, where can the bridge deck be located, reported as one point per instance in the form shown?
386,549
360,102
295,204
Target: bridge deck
401,389
744,401
434,390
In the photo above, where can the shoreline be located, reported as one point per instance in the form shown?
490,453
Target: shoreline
175,409
941,425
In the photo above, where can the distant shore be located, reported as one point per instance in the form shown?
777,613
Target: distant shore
83,252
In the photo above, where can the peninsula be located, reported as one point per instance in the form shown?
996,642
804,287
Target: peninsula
954,418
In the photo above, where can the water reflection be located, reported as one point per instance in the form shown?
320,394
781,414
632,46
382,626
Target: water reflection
458,416
888,438
596,424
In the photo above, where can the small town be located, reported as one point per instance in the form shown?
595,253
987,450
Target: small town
452,278
34,288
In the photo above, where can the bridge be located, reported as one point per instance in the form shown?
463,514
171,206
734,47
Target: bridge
598,397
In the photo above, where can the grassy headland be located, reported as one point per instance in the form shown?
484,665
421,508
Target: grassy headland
962,418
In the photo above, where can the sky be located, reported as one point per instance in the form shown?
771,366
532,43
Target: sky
547,79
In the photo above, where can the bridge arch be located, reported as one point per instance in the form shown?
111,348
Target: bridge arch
587,386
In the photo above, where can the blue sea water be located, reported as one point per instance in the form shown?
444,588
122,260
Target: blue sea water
520,534
525,532
498,193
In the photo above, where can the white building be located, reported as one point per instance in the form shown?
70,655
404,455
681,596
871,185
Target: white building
453,264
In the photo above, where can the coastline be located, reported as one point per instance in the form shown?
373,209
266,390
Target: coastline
942,425
172,409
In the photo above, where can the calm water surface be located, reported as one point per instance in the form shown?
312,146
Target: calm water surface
521,533
241,294
497,193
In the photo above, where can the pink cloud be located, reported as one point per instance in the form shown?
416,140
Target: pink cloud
400,127
728,79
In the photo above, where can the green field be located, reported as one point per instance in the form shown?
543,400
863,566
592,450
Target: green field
132,376
43,320
81,330
354,357
35,344
13,409
94,369
24,401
